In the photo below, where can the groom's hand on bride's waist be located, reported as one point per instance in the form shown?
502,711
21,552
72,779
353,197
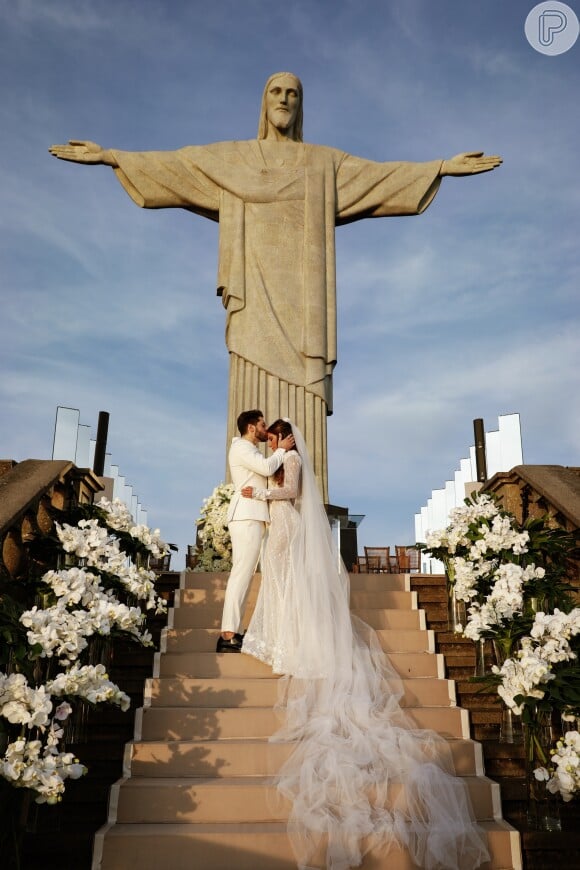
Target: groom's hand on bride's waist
248,491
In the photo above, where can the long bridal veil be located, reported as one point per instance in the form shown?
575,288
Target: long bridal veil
362,775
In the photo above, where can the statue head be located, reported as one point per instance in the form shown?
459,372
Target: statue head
280,83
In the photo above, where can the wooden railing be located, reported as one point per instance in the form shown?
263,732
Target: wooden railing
32,493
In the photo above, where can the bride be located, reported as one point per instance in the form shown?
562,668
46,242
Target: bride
361,776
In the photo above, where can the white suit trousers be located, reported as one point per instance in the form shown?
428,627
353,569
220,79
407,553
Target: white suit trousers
246,538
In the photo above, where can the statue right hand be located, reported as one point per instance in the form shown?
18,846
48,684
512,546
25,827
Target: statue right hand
79,151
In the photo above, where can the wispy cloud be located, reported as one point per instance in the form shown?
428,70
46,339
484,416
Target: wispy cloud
469,310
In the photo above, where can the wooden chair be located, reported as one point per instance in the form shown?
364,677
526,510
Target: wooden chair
408,559
162,563
378,560
192,557
360,566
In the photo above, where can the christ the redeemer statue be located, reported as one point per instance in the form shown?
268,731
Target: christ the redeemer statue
278,201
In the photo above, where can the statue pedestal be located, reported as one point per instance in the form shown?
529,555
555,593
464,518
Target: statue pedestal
346,526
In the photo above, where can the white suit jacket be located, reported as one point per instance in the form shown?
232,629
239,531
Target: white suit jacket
249,468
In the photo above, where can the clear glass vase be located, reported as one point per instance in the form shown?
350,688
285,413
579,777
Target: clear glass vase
480,669
570,721
456,610
543,806
142,559
510,730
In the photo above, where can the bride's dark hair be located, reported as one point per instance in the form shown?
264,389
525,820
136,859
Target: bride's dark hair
282,429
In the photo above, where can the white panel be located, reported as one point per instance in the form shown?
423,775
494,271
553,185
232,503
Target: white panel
459,488
449,499
503,452
64,445
418,528
119,487
144,517
133,507
493,453
467,472
425,561
473,463
92,445
108,466
510,434
82,455
127,495
439,510
430,516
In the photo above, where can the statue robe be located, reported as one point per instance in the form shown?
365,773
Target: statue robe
277,204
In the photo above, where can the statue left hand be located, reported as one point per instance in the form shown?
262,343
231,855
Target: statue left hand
469,163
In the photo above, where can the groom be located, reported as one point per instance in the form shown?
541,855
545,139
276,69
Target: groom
247,518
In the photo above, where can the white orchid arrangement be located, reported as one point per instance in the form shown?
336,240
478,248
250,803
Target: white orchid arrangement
33,760
479,538
215,545
544,670
503,604
117,516
497,566
74,605
563,774
100,550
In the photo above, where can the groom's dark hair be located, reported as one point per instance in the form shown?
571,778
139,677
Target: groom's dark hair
248,418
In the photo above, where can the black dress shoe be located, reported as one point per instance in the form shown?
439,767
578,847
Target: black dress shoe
232,645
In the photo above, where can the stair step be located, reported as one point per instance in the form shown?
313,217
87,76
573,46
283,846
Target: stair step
201,664
204,640
198,788
185,692
141,800
210,616
428,580
373,598
248,757
255,847
219,722
378,582
218,580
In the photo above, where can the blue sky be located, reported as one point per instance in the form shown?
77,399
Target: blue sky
470,310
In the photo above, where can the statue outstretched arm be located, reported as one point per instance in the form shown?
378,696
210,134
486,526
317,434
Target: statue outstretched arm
469,163
80,151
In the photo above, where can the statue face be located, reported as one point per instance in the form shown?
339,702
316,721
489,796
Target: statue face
282,102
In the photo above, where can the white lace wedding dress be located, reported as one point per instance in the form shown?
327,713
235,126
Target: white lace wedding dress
267,638
361,776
